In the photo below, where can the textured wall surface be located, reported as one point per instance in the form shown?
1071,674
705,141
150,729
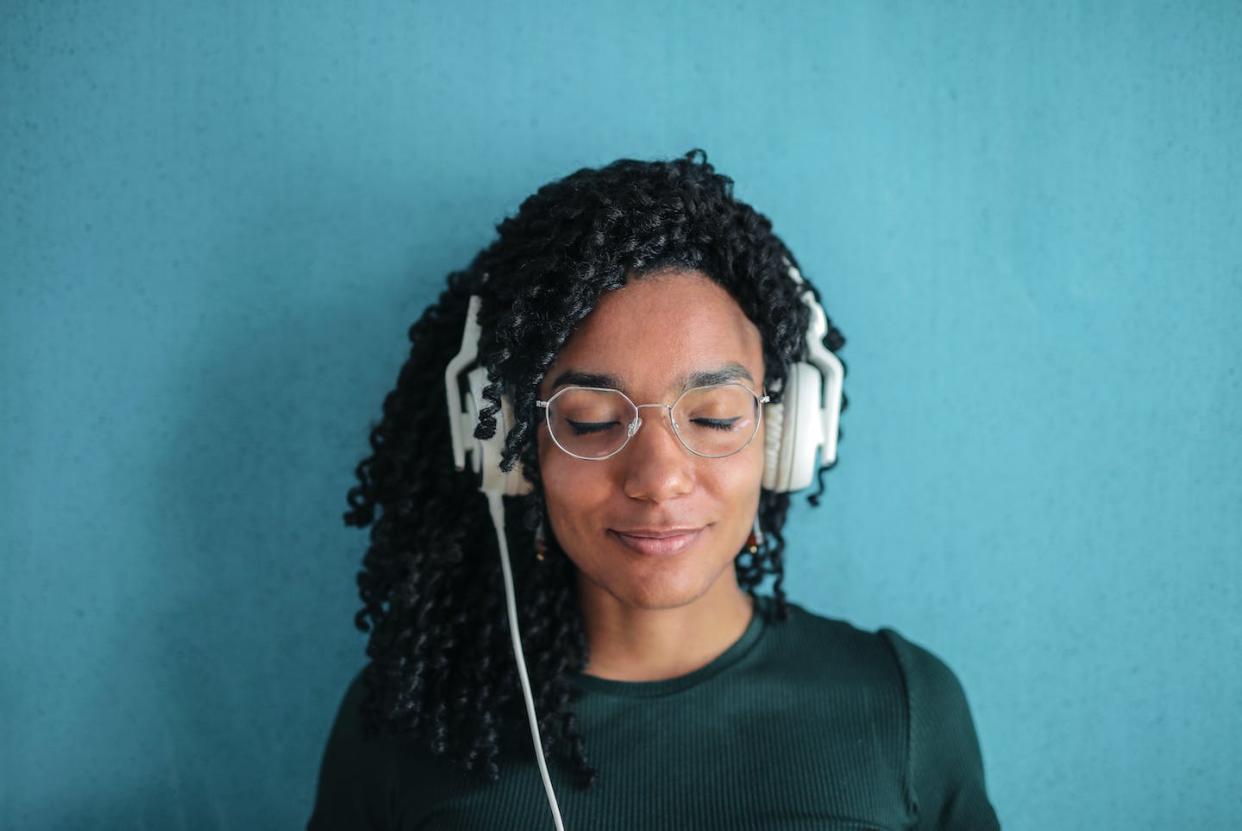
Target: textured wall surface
218,219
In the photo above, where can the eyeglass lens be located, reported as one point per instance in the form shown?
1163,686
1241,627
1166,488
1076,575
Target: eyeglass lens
715,420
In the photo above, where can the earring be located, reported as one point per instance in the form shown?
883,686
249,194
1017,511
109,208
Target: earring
541,543
755,540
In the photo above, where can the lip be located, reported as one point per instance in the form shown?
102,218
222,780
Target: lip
657,541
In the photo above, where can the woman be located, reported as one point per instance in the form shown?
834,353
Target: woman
645,333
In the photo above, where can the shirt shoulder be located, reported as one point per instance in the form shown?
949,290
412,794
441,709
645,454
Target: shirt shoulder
914,700
833,640
366,777
353,784
829,652
945,766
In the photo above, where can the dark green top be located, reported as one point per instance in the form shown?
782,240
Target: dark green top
807,723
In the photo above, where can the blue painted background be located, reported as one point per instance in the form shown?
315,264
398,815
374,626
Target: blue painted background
218,219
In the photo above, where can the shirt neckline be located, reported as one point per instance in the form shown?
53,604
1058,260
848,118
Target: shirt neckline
649,689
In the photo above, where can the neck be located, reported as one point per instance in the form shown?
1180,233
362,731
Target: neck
627,643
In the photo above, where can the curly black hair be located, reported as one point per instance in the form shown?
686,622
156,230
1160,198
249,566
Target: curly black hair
441,668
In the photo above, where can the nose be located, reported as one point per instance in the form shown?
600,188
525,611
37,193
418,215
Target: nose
657,466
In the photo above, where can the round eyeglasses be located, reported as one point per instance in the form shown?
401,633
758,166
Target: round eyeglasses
595,423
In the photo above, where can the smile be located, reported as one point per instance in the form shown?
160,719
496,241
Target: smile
658,542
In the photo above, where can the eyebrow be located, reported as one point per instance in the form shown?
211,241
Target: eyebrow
731,371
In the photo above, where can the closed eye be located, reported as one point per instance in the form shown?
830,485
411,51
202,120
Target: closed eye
716,423
582,428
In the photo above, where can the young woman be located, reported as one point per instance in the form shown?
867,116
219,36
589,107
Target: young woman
643,336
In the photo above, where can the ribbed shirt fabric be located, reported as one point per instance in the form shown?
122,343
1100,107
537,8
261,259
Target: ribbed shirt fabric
807,723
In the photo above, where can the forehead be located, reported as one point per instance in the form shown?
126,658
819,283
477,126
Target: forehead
658,331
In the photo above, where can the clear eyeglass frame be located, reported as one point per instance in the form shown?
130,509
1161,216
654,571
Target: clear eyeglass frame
634,426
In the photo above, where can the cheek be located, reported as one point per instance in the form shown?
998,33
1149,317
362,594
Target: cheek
571,488
738,476
734,484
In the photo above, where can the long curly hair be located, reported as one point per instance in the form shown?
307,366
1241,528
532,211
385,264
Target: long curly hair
441,667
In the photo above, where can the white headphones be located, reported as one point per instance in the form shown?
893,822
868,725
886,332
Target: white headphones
805,421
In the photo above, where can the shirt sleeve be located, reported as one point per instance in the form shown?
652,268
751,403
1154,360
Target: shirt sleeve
945,767
356,773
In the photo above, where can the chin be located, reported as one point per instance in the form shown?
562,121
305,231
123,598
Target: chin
657,588
656,598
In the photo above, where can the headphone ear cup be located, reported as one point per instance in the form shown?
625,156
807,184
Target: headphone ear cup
773,436
797,429
486,453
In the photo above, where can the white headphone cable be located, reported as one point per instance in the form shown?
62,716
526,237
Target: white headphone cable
496,505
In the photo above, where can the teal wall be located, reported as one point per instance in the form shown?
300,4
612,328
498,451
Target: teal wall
218,219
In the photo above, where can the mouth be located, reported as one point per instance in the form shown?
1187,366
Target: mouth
659,542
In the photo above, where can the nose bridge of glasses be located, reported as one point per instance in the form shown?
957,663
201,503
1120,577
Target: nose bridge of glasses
638,422
638,418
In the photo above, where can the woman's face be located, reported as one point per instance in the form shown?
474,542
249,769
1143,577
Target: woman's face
651,336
